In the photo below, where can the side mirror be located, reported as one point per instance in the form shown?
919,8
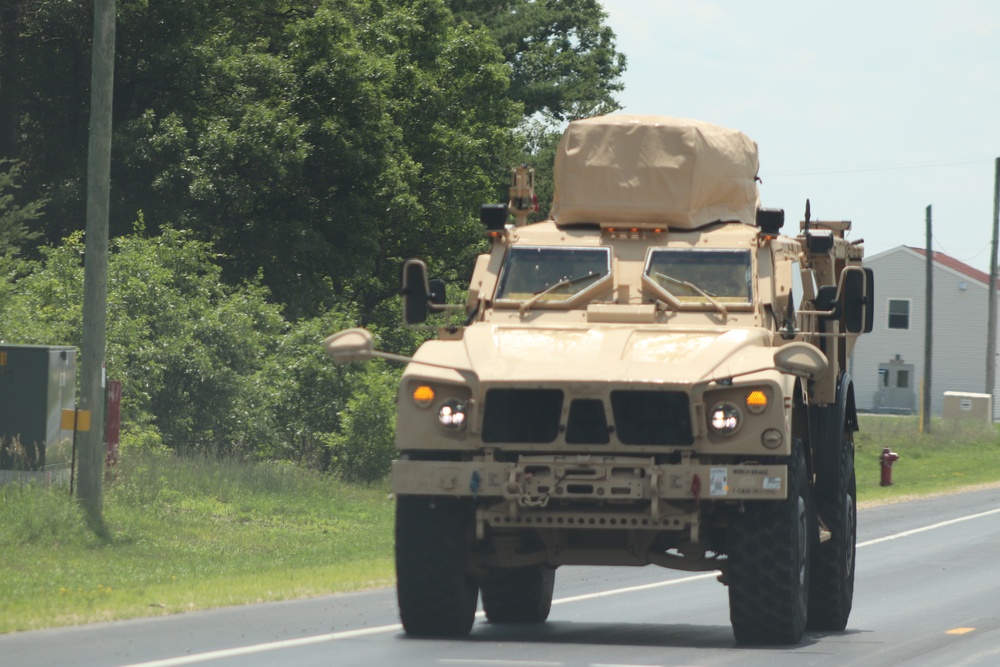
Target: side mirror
800,359
857,294
437,295
826,300
770,220
350,345
869,300
415,292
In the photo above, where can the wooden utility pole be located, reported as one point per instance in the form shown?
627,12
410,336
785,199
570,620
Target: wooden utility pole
90,490
991,291
925,417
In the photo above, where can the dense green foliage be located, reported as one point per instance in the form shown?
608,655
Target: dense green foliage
208,366
283,158
562,57
316,142
15,219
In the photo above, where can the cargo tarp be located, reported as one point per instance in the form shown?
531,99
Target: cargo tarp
654,170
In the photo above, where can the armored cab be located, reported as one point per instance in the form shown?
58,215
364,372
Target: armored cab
655,375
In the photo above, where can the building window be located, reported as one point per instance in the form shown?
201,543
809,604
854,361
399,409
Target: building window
899,313
902,379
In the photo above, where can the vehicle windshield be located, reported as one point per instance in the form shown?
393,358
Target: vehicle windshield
540,274
696,276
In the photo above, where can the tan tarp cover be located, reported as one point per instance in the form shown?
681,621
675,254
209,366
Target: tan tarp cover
654,169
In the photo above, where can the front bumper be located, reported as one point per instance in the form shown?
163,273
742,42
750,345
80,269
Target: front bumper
536,481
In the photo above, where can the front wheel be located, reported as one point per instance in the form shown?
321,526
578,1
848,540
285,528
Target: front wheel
434,588
518,594
768,567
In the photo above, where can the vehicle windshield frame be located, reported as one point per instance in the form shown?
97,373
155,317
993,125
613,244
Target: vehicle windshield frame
718,288
549,283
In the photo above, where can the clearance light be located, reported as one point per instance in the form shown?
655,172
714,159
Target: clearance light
756,401
423,395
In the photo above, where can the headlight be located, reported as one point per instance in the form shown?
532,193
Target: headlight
452,414
725,418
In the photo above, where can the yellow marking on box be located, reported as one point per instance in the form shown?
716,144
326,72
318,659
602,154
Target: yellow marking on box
82,420
960,631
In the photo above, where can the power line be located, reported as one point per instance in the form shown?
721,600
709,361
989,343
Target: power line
940,245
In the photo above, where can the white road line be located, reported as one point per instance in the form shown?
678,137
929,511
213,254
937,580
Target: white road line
270,646
633,589
498,663
907,533
196,658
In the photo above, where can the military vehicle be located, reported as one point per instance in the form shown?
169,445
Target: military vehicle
655,375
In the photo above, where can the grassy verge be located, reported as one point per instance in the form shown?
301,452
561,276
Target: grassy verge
188,534
193,534
953,455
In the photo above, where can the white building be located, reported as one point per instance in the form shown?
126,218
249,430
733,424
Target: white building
888,363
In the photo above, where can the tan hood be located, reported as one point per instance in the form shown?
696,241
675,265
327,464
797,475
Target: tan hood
600,354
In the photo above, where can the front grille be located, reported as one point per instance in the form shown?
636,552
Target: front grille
641,417
652,417
587,423
522,415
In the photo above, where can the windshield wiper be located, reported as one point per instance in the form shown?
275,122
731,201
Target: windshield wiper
565,282
694,288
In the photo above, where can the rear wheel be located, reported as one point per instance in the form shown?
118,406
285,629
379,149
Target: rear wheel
833,562
518,594
768,570
434,588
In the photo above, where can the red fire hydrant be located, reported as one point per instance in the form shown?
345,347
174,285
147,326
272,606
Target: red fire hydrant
887,458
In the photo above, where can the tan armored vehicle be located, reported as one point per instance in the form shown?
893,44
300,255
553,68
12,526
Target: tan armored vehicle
656,375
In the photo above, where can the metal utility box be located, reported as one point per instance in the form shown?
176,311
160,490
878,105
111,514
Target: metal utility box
37,382
974,407
895,394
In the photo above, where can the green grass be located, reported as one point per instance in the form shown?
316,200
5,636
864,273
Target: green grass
191,534
951,456
188,534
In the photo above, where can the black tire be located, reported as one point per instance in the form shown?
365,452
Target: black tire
435,590
518,594
768,569
831,595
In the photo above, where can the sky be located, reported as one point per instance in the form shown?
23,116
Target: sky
871,110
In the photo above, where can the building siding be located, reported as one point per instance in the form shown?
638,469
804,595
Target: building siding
959,333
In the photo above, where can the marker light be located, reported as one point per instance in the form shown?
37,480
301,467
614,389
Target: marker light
423,395
756,401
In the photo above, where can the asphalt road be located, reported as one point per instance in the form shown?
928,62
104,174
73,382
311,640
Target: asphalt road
928,593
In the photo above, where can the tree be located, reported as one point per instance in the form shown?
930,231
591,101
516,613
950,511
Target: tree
186,346
562,55
328,146
318,143
44,97
14,218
